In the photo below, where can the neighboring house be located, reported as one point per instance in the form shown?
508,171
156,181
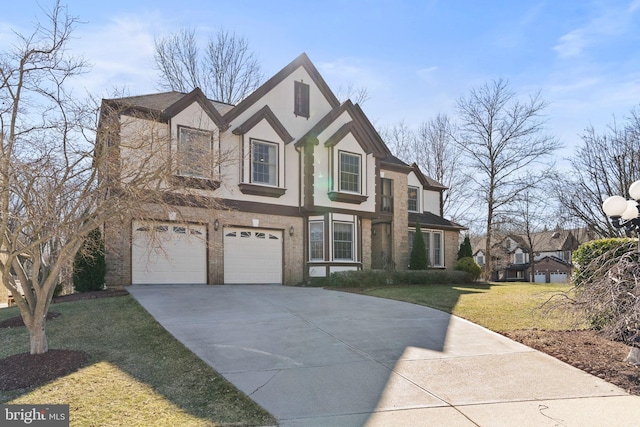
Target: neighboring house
313,190
550,263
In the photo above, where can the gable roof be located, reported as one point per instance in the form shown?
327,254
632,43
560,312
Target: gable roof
427,182
301,61
359,127
265,113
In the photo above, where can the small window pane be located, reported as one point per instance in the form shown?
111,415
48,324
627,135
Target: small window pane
316,241
196,232
180,230
161,228
273,237
349,172
231,234
194,153
413,199
343,241
264,163
261,236
245,234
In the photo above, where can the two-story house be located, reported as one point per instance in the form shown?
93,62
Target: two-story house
543,257
308,188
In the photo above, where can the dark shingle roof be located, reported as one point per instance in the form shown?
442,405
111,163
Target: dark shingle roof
427,218
159,102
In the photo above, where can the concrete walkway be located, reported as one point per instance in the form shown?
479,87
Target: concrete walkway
314,357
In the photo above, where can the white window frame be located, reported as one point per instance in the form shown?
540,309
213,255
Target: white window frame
417,209
203,169
340,172
319,224
434,246
272,166
351,242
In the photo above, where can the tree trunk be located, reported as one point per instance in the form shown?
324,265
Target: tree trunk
634,356
38,337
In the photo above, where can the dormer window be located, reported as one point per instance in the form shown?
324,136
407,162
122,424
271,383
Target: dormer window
264,163
301,99
194,153
349,172
413,199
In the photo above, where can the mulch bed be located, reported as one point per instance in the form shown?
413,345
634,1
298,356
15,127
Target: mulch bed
26,370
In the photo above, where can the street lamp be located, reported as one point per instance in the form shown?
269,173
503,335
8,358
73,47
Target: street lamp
623,212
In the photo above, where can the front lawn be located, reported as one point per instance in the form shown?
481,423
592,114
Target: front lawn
137,375
501,307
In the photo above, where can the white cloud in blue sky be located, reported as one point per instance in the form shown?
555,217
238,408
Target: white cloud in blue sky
415,57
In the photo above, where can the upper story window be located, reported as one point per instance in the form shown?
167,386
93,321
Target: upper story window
386,197
519,258
413,199
194,152
301,99
264,163
349,172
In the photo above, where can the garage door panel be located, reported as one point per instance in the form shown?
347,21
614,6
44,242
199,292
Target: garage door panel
168,253
252,256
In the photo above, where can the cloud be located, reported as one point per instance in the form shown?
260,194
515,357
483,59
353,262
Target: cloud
608,24
121,53
571,44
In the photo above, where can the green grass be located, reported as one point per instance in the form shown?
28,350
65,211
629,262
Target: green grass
500,307
138,374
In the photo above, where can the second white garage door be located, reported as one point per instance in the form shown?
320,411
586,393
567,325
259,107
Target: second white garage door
252,256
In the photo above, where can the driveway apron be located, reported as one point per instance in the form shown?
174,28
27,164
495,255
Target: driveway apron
315,357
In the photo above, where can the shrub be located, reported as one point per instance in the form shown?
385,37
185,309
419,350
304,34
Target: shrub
89,266
418,260
376,278
469,266
598,251
465,250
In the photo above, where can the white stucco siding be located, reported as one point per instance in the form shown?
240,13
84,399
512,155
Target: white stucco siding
431,202
280,100
327,173
195,117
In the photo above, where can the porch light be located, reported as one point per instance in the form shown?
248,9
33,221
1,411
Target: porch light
291,230
623,212
216,225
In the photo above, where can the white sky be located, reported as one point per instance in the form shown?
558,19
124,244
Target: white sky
415,57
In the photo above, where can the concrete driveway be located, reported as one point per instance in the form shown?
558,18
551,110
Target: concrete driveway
315,357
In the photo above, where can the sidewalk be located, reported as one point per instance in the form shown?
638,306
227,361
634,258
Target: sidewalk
315,357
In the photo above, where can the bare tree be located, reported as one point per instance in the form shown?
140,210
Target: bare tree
531,216
357,94
226,70
400,139
502,138
56,183
439,158
604,165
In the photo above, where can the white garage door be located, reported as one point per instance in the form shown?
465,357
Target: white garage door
558,277
540,277
252,256
168,253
